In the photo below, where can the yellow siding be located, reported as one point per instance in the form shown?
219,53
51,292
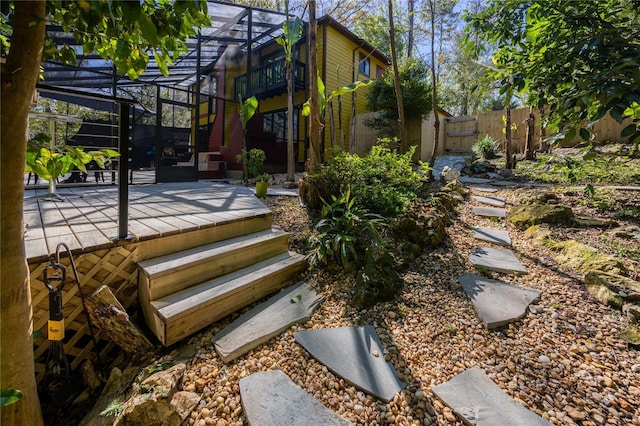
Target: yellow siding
343,57
342,61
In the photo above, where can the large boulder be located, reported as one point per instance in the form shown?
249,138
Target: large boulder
378,280
627,288
526,215
158,400
631,334
604,294
585,258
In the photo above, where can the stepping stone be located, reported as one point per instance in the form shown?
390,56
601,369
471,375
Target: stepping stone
499,260
355,354
270,398
475,398
468,179
492,201
504,183
484,189
496,302
491,235
489,211
292,305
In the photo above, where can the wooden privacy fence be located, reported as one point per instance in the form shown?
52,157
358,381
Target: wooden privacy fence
458,134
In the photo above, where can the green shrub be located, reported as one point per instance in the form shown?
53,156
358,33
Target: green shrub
255,159
342,227
486,148
383,182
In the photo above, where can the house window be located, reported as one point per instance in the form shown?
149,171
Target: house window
276,123
365,65
380,71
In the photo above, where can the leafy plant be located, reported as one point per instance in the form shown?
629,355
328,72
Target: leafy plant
486,148
383,182
342,225
114,408
51,163
248,108
253,160
9,396
264,177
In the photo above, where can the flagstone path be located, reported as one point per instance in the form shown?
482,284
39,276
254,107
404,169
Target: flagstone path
357,355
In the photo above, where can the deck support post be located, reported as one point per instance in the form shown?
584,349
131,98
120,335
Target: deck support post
123,165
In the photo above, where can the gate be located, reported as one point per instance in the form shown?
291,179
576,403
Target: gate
460,133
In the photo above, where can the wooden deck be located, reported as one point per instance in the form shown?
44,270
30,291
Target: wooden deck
87,219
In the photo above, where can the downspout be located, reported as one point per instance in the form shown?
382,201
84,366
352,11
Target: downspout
352,130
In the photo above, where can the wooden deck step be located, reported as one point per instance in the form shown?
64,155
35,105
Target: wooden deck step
180,314
173,272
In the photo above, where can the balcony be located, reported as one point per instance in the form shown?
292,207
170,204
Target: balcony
269,80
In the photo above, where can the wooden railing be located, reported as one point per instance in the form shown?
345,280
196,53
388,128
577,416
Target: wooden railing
269,80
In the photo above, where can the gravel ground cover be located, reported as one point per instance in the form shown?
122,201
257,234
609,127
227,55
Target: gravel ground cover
563,360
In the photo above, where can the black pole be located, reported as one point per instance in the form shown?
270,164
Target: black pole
123,163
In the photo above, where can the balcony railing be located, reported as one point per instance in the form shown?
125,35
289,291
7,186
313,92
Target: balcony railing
269,80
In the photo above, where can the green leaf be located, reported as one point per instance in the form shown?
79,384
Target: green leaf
628,130
9,396
247,110
148,29
296,299
585,134
162,63
306,108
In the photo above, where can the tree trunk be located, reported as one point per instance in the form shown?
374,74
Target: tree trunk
530,153
396,81
507,140
291,164
410,31
109,315
314,116
434,88
352,129
19,77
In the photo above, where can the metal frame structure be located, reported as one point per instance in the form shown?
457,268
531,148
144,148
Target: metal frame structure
95,80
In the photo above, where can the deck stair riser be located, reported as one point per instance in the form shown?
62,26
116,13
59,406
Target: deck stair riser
182,313
224,230
165,275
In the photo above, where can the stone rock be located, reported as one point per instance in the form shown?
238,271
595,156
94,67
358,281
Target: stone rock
631,334
537,233
153,402
526,215
541,198
585,258
449,174
456,186
628,288
184,403
603,294
496,302
378,281
353,353
593,222
628,232
426,230
632,312
479,401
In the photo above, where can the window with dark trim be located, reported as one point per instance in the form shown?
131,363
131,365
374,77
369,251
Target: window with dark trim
365,65
276,123
379,71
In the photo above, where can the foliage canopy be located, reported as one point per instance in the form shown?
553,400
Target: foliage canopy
577,60
416,93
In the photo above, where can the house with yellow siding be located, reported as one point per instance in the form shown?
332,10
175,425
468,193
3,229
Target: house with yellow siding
342,59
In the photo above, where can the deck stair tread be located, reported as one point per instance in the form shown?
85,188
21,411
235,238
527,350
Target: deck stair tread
185,259
174,306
